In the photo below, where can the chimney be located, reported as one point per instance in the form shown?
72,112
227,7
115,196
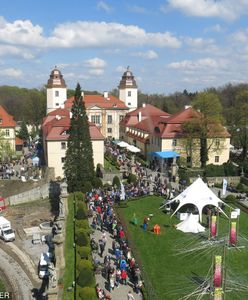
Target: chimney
187,106
105,95
139,116
143,104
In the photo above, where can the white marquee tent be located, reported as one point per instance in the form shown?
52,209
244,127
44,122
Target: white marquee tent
199,195
190,224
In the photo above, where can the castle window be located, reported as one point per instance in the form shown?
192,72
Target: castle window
95,119
129,93
7,132
174,143
216,159
110,119
62,159
56,93
109,130
63,145
217,143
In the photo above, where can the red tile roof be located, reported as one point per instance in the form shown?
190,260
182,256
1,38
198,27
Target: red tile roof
18,141
57,122
110,102
6,119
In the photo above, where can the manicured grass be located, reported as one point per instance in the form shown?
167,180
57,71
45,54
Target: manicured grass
173,269
68,277
108,166
2,287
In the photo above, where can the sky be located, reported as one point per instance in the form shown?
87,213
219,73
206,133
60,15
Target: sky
169,45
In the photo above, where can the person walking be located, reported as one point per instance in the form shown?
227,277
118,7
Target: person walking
101,246
130,296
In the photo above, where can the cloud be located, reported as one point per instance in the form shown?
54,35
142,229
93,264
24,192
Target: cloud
203,63
215,28
201,44
150,54
138,9
11,72
95,63
225,9
83,34
120,69
101,34
96,72
9,50
101,5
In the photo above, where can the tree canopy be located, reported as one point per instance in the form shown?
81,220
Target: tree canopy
79,166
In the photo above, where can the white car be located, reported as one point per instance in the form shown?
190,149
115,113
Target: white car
45,261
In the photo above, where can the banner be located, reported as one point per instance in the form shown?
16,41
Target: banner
218,294
233,234
213,226
224,187
218,271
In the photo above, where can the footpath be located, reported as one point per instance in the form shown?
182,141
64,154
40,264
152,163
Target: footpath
119,293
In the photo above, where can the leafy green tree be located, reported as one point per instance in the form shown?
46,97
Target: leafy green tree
5,148
23,132
79,166
207,124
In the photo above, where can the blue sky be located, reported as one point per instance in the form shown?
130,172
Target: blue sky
170,45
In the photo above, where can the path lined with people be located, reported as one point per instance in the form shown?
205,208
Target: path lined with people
117,274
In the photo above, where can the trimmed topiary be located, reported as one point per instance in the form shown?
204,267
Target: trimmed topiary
84,251
85,278
230,198
82,223
84,264
81,214
81,237
116,182
132,178
87,293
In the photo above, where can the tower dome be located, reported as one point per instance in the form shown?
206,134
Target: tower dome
56,79
127,80
128,90
56,90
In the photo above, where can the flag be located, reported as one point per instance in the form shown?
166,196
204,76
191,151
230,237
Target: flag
224,187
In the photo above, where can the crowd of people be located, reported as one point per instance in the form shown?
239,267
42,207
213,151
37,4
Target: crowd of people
118,267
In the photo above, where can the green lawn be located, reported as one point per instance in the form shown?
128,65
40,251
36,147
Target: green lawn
108,166
171,261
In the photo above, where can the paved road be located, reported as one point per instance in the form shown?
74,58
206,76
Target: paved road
20,283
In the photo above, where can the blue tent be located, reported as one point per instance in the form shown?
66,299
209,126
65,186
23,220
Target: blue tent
164,154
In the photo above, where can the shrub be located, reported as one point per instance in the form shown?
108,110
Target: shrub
82,223
131,178
87,187
97,182
231,169
230,198
85,278
79,196
81,214
116,182
81,237
99,171
84,252
87,293
214,171
242,187
84,264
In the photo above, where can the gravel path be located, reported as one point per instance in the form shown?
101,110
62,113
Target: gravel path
20,283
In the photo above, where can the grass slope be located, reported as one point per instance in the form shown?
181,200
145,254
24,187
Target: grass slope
173,268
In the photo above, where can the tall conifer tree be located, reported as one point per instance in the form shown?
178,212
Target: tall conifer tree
79,166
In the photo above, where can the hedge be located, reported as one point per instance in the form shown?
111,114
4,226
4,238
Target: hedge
82,223
230,198
84,264
86,278
84,251
87,293
81,237
116,182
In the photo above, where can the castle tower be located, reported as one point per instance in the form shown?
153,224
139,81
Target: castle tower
56,90
128,91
